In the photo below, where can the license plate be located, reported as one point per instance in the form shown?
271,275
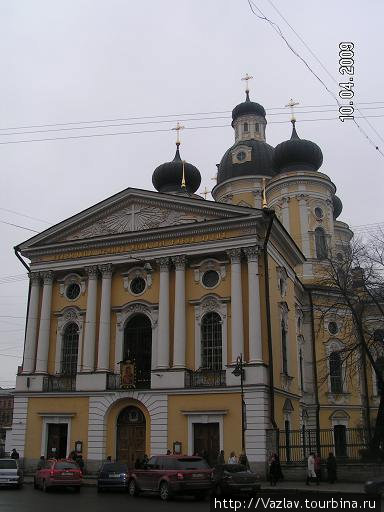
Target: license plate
198,475
113,475
67,473
246,489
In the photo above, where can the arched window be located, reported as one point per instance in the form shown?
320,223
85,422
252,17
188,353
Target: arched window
211,342
321,244
284,348
336,372
245,127
69,349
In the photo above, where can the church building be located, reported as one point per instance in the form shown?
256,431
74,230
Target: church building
151,310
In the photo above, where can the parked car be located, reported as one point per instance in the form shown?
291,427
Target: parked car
374,486
168,475
10,473
234,479
58,473
113,475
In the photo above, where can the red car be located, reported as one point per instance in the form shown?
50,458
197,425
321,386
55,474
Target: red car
168,475
58,473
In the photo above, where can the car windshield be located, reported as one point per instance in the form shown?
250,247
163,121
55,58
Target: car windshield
66,465
117,467
186,463
8,464
234,468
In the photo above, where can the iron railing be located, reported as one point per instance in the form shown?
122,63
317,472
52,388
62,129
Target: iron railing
294,446
204,378
114,382
59,383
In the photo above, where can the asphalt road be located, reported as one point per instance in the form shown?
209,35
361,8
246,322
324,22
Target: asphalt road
28,499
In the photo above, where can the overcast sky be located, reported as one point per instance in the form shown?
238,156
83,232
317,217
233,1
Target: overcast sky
67,61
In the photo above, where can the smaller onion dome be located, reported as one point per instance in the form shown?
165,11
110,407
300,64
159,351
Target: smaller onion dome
259,164
337,207
176,176
247,107
297,154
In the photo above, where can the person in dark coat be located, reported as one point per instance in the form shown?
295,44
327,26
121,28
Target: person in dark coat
274,470
221,458
41,462
331,468
15,454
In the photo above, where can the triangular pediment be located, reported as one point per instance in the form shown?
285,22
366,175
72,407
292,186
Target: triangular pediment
132,211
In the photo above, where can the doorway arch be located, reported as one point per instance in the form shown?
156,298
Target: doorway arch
138,348
130,435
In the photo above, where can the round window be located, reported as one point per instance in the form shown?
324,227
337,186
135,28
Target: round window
137,285
319,212
333,328
210,278
241,156
72,291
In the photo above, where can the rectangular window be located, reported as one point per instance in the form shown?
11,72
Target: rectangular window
284,349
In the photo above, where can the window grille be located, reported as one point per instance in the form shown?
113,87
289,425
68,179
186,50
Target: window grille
211,342
69,350
336,372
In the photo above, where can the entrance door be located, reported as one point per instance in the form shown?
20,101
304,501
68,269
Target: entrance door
130,442
340,434
57,440
206,441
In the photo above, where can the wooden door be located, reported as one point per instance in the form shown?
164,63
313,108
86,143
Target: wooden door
206,441
130,436
57,440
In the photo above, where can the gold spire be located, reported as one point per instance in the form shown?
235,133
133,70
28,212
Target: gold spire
183,185
292,104
247,78
264,195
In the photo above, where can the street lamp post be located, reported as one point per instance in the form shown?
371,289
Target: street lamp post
239,372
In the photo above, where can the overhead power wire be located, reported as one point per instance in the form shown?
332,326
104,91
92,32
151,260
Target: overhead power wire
23,215
278,30
17,226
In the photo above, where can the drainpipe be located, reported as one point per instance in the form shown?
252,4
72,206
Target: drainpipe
271,215
17,253
315,372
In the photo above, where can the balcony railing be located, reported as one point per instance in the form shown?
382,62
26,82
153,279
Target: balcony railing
114,382
204,378
59,383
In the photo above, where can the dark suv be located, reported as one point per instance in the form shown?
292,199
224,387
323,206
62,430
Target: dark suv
172,474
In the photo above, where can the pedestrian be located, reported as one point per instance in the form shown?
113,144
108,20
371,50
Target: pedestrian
232,458
80,463
310,468
243,459
331,468
41,462
273,470
318,468
280,475
109,458
221,458
168,452
15,454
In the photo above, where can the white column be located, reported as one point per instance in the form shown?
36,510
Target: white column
32,323
304,227
45,321
285,212
254,313
105,318
237,329
163,331
179,337
90,321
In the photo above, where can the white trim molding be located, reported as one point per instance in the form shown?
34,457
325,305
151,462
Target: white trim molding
66,316
204,417
56,418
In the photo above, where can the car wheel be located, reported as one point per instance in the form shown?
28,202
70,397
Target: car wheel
132,488
77,488
44,487
99,488
164,491
20,485
35,486
218,490
200,496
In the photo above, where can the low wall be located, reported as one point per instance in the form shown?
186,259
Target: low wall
353,472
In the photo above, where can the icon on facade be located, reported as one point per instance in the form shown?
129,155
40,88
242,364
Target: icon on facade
127,374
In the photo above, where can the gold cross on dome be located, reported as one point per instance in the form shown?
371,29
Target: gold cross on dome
291,104
246,78
205,192
177,128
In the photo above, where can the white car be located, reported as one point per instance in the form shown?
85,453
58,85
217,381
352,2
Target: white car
10,473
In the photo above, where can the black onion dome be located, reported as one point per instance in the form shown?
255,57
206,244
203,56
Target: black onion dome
337,207
167,177
297,154
261,163
247,107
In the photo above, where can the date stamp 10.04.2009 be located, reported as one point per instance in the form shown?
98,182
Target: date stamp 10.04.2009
347,69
